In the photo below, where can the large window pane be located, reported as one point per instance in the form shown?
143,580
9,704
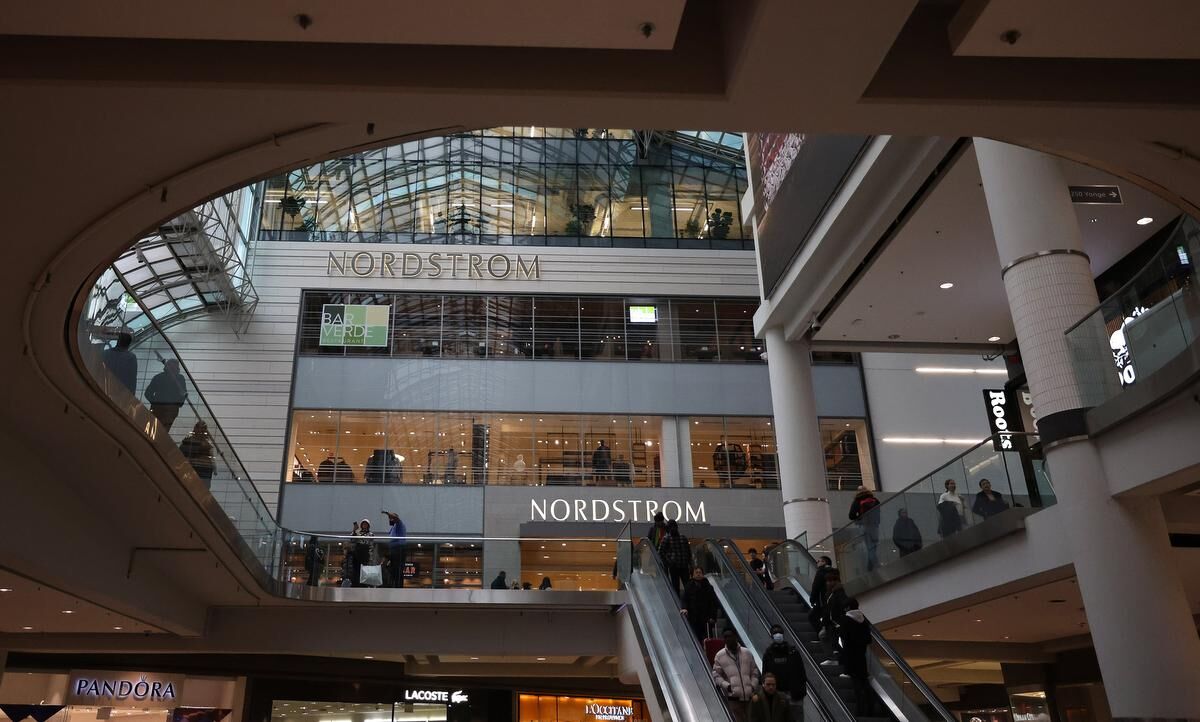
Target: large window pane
750,448
648,329
561,456
696,325
556,327
464,326
848,463
510,326
602,328
710,464
735,329
416,325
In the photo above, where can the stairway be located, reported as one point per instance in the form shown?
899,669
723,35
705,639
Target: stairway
796,611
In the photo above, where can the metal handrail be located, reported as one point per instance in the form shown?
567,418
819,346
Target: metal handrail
1178,223
827,692
1022,434
909,673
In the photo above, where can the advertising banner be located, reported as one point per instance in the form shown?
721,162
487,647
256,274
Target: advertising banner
354,325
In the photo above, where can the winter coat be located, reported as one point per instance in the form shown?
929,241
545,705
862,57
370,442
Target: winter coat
984,507
198,450
676,552
906,535
499,582
950,519
777,708
785,662
865,509
699,600
123,364
167,389
735,674
856,637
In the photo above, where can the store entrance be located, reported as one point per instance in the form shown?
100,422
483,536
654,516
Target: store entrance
420,713
301,711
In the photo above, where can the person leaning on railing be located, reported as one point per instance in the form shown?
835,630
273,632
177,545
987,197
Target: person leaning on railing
988,502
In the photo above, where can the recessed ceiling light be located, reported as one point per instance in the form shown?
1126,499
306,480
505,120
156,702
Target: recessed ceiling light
68,611
5,589
1093,220
367,656
1145,221
946,285
476,659
918,635
993,339
118,628
27,628
541,659
978,620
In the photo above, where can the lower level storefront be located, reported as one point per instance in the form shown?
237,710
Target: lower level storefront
119,696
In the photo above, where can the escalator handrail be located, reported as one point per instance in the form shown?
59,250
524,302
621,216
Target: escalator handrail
688,714
880,641
828,696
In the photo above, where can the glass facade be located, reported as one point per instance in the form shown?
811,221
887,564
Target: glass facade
560,708
522,186
414,447
603,328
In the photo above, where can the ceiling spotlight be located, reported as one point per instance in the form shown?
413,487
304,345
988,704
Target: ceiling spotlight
68,611
5,589
1093,220
541,659
27,629
1145,221
946,285
367,656
118,628
993,339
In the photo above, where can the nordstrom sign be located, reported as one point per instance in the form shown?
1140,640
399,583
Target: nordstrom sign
386,264
618,510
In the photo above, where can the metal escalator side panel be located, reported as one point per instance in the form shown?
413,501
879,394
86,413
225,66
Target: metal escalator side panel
891,690
821,693
673,653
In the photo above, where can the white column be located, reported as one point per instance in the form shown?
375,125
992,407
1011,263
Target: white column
683,450
797,437
1137,610
668,450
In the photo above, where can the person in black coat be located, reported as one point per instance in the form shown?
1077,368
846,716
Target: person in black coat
699,604
988,502
314,561
500,582
905,534
817,594
865,510
784,661
855,633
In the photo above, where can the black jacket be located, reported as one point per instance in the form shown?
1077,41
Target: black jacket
776,709
499,583
865,507
699,600
817,594
167,389
856,637
676,552
833,607
985,507
788,667
906,535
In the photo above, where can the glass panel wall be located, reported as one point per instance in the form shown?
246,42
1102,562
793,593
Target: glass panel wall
602,328
520,186
415,447
847,447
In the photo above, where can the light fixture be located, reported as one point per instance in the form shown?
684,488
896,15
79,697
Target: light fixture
930,440
118,628
27,629
918,635
1145,221
541,659
949,370
474,659
946,286
68,611
5,589
367,656
993,339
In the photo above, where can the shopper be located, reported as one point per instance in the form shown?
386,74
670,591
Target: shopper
817,594
676,554
601,462
545,584
197,448
759,568
451,466
784,661
500,582
699,604
833,607
397,549
365,553
349,573
525,586
658,531
856,638
771,704
736,675
121,362
864,510
314,561
950,510
518,469
167,393
906,535
988,502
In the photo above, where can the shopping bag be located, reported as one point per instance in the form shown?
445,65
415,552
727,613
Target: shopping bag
371,575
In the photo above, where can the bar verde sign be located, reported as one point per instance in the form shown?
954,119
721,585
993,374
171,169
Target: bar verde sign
116,689
346,324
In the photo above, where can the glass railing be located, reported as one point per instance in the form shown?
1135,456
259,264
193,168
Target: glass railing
146,379
520,241
898,687
1150,321
983,483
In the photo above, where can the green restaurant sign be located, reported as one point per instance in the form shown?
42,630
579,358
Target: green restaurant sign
354,325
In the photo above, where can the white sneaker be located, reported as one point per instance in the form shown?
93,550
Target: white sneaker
844,676
829,663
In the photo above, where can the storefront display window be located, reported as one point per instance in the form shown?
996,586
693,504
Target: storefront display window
733,451
547,708
847,450
601,328
94,696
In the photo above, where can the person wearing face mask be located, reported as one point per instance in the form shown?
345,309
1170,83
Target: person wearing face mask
784,661
950,510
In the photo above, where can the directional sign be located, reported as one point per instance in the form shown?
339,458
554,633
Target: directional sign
1096,195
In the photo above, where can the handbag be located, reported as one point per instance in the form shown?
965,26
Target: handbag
371,575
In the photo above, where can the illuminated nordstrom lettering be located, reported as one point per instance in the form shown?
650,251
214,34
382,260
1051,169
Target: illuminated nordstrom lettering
496,266
617,510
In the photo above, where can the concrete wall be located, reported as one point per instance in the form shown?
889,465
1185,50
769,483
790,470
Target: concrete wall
247,378
905,403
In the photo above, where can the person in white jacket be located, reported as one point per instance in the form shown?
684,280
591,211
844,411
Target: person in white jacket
736,675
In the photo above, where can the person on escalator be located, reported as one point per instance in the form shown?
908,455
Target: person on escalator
833,608
676,554
817,594
856,638
759,568
865,511
658,531
736,676
699,604
784,662
772,704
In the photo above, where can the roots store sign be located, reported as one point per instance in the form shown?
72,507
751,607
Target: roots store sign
116,689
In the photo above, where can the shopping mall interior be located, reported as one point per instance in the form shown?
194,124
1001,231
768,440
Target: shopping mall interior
348,384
